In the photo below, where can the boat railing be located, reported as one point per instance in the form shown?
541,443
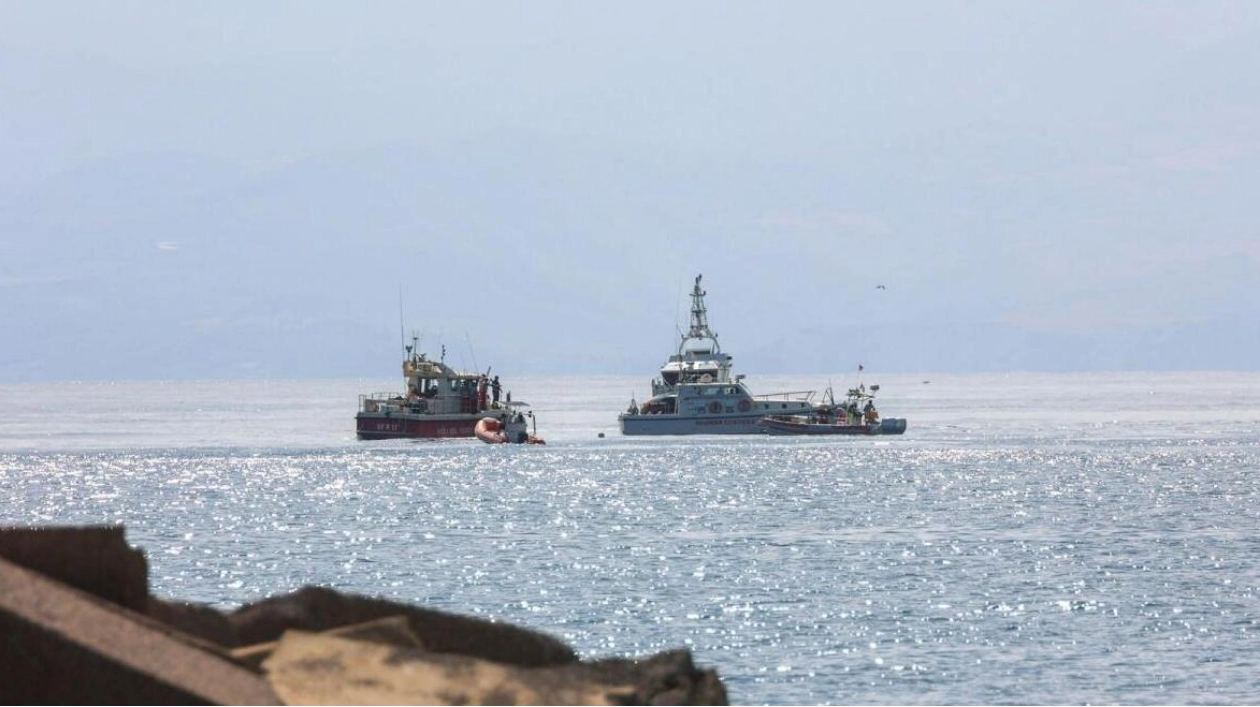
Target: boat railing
805,395
383,397
396,402
381,402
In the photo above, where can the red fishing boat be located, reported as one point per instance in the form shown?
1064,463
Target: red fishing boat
439,401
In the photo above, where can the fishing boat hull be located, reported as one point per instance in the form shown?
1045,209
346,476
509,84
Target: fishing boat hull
797,425
405,425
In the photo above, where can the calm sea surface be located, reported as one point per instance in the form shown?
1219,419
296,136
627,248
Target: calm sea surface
1030,539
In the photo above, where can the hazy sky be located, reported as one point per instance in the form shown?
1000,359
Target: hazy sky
222,189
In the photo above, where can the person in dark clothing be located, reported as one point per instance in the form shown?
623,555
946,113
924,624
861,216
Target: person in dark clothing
494,389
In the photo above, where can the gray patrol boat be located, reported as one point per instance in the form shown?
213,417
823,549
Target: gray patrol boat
696,393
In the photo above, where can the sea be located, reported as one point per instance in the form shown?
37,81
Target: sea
1031,538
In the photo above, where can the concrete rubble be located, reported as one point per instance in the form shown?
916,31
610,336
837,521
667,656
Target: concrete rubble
78,626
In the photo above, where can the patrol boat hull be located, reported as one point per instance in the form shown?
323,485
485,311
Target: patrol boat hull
689,425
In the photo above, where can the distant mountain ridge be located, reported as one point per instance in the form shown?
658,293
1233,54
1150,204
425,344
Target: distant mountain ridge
545,255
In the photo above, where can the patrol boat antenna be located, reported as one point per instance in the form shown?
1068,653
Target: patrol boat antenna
699,330
699,358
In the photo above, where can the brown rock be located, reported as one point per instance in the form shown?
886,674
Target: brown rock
204,622
319,669
390,631
667,678
59,645
80,627
95,559
316,609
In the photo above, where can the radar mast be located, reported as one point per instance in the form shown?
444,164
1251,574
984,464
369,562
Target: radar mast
700,319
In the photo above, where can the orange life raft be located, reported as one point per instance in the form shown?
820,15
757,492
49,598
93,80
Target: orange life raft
492,431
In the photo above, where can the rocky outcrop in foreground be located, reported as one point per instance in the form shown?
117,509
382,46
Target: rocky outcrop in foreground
78,626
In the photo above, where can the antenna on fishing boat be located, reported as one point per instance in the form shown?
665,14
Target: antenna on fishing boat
402,337
468,340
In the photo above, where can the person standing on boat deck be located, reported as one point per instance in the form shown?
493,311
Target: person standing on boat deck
494,389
